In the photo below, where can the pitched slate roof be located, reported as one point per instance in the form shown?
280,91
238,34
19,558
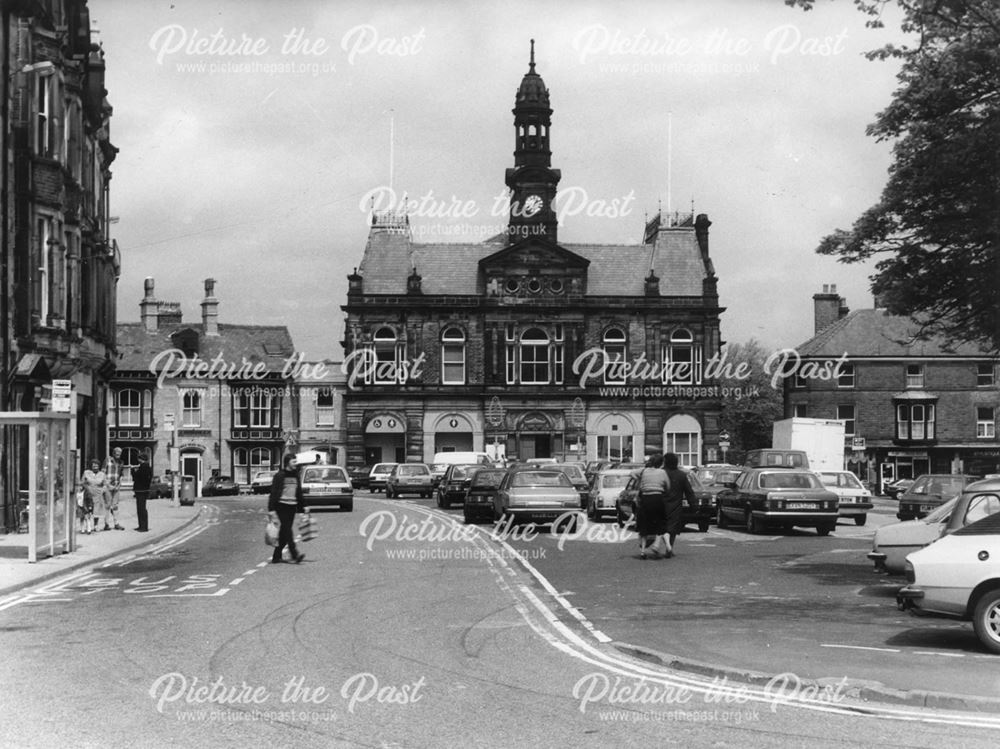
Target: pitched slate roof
270,344
453,268
874,332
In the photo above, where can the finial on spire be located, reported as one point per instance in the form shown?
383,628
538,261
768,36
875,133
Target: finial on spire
531,66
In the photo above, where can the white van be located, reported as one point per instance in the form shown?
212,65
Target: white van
442,460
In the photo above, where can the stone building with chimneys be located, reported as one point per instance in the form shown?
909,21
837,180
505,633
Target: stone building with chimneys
526,346
909,405
221,395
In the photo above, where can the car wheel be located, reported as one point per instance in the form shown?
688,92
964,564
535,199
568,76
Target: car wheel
703,526
753,526
986,621
348,506
446,503
860,519
389,493
825,530
720,519
568,525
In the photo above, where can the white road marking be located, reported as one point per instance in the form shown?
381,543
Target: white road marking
860,647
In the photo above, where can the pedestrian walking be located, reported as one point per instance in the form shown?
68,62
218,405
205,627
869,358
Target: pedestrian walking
142,477
679,491
113,472
94,482
650,508
284,502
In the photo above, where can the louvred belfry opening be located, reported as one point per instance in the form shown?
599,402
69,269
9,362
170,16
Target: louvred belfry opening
532,180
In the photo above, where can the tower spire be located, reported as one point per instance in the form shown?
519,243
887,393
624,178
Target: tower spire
531,65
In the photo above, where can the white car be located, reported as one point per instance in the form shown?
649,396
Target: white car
958,577
855,500
604,491
326,486
894,542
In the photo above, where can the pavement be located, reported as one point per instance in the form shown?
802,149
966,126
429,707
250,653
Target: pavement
17,572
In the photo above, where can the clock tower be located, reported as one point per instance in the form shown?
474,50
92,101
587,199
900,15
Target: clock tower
532,180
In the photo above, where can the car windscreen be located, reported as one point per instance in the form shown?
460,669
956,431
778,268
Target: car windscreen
789,480
412,471
383,468
841,480
326,473
540,478
614,481
574,473
945,486
462,472
487,479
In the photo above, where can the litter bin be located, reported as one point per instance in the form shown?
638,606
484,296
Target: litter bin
187,490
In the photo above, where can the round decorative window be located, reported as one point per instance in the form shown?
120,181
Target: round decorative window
534,285
556,285
512,286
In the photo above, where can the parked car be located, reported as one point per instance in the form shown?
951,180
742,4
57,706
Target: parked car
594,467
359,476
958,577
409,478
892,543
326,486
261,483
539,494
441,462
219,486
379,473
578,478
716,473
855,500
455,483
160,488
604,491
894,488
928,492
481,496
783,497
701,514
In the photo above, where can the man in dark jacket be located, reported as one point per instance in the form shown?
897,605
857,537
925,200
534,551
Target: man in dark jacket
285,501
679,492
142,477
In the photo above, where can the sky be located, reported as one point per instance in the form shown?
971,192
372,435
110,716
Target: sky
253,136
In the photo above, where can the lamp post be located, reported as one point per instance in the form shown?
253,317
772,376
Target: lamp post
723,443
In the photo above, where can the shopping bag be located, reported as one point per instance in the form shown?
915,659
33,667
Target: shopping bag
307,528
271,533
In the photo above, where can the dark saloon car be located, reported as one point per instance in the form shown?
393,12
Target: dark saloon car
778,497
455,483
574,472
160,488
409,478
359,476
479,499
701,514
218,486
930,491
538,494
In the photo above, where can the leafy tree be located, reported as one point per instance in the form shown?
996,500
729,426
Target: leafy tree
936,228
748,418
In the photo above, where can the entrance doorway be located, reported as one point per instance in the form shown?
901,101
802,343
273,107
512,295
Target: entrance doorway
191,466
535,446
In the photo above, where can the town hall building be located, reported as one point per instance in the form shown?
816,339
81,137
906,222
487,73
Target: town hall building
524,346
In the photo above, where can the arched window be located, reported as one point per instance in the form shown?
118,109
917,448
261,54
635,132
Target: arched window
682,359
615,352
534,352
388,359
191,402
453,357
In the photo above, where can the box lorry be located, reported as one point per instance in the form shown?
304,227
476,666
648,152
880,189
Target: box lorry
821,439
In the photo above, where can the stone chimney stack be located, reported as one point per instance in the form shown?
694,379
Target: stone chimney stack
210,309
701,225
149,308
827,306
